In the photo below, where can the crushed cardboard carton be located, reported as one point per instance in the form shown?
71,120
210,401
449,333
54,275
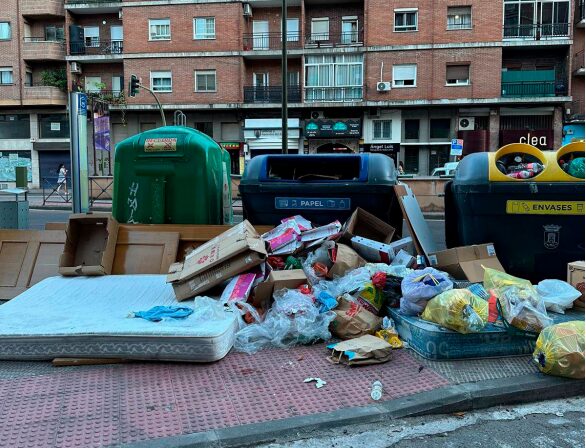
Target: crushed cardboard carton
376,252
403,258
263,293
233,252
467,262
576,279
90,245
366,225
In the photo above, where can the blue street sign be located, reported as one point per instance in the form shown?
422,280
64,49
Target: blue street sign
457,147
312,203
82,104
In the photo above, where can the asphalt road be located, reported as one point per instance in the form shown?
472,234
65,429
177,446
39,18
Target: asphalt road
548,424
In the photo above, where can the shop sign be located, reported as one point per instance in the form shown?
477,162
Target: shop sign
267,133
332,128
381,147
230,146
540,138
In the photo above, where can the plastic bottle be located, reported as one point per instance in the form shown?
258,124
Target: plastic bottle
376,392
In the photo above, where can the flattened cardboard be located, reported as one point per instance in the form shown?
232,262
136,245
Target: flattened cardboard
231,253
366,225
466,263
346,260
376,252
290,279
576,279
90,245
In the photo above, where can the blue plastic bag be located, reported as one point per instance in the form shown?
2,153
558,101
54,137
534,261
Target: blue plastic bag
420,286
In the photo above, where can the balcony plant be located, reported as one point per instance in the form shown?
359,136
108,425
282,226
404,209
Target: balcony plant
55,78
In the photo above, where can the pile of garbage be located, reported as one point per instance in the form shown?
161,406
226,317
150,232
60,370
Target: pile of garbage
301,284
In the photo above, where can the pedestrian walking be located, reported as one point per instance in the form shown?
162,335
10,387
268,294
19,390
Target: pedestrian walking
62,178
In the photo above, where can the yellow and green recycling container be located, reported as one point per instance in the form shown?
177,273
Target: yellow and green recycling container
171,175
536,224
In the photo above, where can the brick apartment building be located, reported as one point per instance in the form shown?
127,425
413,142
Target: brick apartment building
401,77
34,130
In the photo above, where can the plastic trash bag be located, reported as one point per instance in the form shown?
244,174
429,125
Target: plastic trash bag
421,285
576,168
292,320
523,308
397,271
559,350
498,279
348,284
459,310
557,295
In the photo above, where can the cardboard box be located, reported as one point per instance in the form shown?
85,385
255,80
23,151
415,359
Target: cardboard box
263,293
366,225
576,279
231,253
466,262
403,258
346,260
90,245
376,252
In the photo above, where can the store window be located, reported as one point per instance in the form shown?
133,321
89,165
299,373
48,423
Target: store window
10,160
15,126
459,17
411,129
53,126
405,20
440,128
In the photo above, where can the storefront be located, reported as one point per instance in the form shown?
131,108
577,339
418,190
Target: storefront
336,136
264,136
534,127
236,151
388,149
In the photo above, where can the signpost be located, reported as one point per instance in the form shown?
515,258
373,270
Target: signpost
457,147
79,167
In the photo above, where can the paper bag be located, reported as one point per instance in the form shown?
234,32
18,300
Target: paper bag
361,351
353,320
346,260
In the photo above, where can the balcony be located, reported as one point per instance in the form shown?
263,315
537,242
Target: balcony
336,35
44,96
579,19
578,63
270,41
271,94
42,8
333,94
97,48
39,49
533,89
93,6
537,32
107,96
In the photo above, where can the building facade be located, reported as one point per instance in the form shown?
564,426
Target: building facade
34,129
401,77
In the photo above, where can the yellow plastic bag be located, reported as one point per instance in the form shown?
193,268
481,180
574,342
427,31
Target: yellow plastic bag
458,310
498,279
559,350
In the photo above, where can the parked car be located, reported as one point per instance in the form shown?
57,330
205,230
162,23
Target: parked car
447,170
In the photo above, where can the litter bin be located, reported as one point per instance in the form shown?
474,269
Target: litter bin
14,211
321,187
171,175
536,224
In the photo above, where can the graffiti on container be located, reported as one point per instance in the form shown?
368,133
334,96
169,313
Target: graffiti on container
132,202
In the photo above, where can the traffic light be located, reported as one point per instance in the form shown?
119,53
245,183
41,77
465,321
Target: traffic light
133,86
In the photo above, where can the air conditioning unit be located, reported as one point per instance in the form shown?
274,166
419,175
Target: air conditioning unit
315,114
247,10
466,124
75,67
383,86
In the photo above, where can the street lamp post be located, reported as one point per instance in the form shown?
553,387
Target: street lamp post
284,117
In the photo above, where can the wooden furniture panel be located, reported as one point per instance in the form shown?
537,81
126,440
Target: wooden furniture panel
144,252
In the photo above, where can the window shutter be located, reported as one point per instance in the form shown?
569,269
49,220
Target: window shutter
459,10
457,71
404,71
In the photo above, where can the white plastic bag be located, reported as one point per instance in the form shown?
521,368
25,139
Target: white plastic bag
557,295
420,286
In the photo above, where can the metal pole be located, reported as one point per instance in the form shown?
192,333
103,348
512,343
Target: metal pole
284,117
158,103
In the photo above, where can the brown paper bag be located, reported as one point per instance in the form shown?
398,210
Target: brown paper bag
361,351
346,260
352,320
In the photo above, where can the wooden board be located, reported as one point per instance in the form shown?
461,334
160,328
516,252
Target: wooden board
27,257
140,252
55,225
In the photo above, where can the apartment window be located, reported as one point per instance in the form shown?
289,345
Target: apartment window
382,129
405,75
530,19
458,75
205,80
91,35
459,17
292,30
320,29
405,20
204,28
439,128
53,126
6,75
207,127
349,30
411,129
5,31
160,29
292,78
93,84
161,81
28,79
54,33
333,77
15,126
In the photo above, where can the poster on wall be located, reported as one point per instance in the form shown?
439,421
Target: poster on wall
8,161
102,132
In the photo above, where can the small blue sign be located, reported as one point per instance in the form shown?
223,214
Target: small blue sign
312,203
81,104
457,147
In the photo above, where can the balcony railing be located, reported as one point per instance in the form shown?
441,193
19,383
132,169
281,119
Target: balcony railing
270,41
333,94
42,8
90,2
334,38
534,88
271,94
536,31
579,12
44,95
40,49
96,47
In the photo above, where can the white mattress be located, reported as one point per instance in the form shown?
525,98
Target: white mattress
88,317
